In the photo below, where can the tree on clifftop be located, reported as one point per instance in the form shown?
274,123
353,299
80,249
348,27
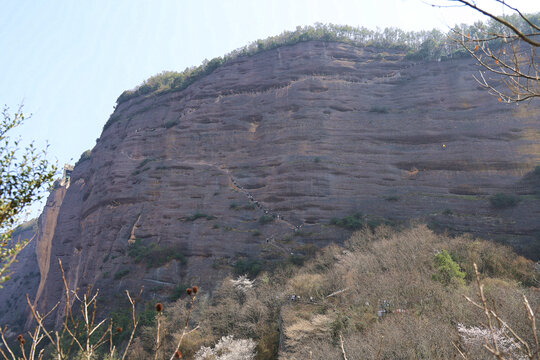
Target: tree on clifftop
22,177
505,47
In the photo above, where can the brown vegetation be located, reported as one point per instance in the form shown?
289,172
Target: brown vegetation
381,296
393,272
375,298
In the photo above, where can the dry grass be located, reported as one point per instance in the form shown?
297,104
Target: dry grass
342,289
380,266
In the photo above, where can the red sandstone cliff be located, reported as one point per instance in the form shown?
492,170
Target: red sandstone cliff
305,132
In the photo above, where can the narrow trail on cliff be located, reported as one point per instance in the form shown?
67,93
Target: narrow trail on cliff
238,188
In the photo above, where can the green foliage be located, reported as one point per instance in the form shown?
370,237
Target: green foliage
422,45
112,119
141,167
198,215
251,267
379,109
178,291
351,222
256,233
144,162
169,124
296,259
448,271
157,82
503,201
154,255
392,198
495,261
84,156
122,318
317,160
340,323
234,206
23,177
265,219
120,274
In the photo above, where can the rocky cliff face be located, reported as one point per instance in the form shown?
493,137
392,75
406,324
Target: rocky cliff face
256,158
24,280
33,262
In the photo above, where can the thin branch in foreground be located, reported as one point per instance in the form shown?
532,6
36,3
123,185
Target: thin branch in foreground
342,347
504,341
192,293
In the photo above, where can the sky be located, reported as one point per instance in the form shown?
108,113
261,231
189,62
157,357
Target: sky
68,61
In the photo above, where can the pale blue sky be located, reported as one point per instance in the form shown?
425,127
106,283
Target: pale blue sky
69,60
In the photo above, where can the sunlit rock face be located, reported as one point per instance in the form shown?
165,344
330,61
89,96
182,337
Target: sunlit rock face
254,160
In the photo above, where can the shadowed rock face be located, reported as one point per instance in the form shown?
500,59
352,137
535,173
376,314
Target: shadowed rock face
24,280
305,133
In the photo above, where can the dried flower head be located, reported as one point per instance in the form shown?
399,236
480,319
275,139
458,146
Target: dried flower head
178,354
21,339
195,289
159,307
119,329
189,290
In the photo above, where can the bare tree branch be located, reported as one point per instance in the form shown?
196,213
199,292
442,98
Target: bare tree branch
505,48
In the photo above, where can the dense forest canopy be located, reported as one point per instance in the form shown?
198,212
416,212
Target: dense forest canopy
420,45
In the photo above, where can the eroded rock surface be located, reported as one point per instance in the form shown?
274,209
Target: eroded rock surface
24,279
303,133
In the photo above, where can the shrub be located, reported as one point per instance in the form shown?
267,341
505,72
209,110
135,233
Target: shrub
306,285
494,260
234,206
114,118
120,274
392,198
447,212
84,156
178,292
533,179
448,270
424,45
503,201
379,109
296,259
250,267
154,255
144,162
228,349
169,124
265,219
256,233
198,215
351,222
